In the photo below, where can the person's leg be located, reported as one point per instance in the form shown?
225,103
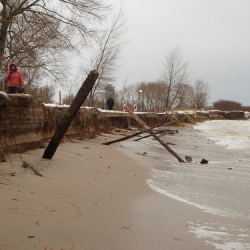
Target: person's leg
12,90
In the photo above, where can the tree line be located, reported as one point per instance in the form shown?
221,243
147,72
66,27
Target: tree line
152,95
227,105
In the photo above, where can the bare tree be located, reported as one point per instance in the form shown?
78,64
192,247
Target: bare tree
146,94
68,99
185,96
39,55
35,32
151,95
43,93
128,94
201,94
107,53
175,74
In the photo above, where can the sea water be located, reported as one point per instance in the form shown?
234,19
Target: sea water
220,188
232,134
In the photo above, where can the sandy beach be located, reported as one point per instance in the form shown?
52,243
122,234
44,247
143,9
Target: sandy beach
92,196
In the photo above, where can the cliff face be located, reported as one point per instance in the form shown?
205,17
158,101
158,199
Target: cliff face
27,124
21,123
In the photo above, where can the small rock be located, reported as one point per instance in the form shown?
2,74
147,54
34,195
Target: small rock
204,161
188,158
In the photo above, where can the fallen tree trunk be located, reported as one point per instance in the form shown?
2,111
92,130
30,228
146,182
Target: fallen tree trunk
153,134
70,114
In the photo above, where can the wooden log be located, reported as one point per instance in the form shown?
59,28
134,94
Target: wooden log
70,114
146,136
123,138
153,134
133,135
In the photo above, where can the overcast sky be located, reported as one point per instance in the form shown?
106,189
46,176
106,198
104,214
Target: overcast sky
214,36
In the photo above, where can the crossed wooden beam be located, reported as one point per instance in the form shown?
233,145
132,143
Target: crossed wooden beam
145,129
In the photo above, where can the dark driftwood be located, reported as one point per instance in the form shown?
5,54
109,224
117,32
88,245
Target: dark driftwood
70,114
146,136
133,135
153,134
123,138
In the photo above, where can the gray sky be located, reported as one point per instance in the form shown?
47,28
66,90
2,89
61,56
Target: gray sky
214,36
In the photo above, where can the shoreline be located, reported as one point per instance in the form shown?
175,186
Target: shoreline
93,196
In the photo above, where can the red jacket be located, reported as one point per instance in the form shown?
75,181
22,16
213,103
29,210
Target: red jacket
15,79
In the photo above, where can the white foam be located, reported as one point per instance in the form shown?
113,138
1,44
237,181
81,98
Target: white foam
207,209
228,237
232,134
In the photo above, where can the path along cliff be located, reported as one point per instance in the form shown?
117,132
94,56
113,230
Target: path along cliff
26,123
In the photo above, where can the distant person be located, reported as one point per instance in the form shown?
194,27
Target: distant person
110,103
15,79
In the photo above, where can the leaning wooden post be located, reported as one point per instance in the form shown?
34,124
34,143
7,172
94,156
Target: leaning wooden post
70,114
153,134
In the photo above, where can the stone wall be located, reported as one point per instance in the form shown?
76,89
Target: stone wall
25,123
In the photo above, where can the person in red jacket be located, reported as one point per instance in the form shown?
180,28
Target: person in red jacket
15,79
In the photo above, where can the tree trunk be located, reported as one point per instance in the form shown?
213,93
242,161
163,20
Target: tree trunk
3,32
154,135
70,114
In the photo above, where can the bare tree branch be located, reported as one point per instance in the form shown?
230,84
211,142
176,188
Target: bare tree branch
39,34
108,46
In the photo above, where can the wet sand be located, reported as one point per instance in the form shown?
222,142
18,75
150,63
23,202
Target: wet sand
213,206
92,196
